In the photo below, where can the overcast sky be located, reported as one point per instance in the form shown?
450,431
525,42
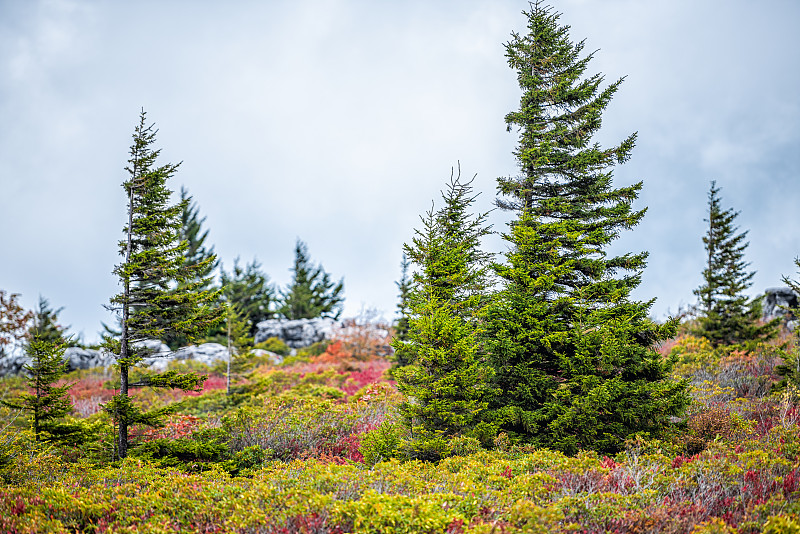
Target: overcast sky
338,122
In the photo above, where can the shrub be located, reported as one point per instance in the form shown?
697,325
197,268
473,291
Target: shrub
381,443
276,345
464,446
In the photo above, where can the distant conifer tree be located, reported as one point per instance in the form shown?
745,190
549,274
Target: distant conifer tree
403,306
153,266
249,290
727,315
446,379
573,354
311,293
45,325
47,403
192,232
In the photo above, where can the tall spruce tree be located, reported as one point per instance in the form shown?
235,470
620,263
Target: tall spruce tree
153,266
311,293
727,315
573,354
447,378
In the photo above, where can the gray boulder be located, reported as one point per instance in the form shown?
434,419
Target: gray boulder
78,358
296,333
12,365
207,353
778,301
274,358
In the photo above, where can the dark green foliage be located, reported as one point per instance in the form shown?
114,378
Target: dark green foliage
200,260
45,325
446,377
162,295
573,354
249,290
195,237
47,403
311,293
237,328
403,306
727,316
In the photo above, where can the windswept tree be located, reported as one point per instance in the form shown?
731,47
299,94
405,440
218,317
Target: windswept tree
153,266
727,315
573,353
446,377
311,292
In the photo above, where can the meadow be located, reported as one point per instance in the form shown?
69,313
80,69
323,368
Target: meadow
315,445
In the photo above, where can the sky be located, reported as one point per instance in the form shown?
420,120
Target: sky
338,122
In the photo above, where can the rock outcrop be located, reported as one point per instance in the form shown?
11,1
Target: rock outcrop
778,301
207,353
296,333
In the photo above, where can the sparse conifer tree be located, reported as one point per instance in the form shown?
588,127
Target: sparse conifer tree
727,315
153,266
311,293
403,306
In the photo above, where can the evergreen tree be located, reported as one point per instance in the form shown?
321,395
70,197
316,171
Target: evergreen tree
403,306
195,254
727,315
237,328
153,266
446,377
311,293
192,232
47,403
249,290
45,325
573,354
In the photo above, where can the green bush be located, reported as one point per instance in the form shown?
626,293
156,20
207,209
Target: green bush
275,345
381,443
464,446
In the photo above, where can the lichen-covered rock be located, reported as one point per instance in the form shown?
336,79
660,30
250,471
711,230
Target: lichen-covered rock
778,301
207,353
296,333
78,358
